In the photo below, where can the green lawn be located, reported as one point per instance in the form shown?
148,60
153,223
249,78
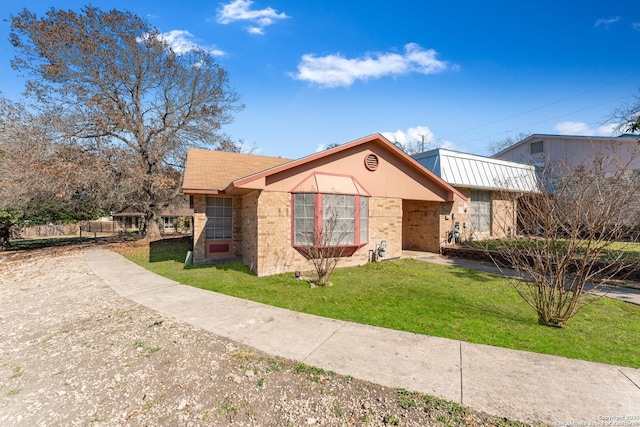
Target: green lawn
420,297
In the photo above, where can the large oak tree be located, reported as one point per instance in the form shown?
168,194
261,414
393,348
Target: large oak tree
112,82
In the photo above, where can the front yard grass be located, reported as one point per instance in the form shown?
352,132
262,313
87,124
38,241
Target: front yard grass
420,297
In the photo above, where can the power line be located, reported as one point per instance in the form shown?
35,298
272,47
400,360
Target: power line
538,122
540,108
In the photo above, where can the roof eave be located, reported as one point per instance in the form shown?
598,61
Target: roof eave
194,191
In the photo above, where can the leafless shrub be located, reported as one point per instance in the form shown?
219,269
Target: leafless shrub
328,244
574,230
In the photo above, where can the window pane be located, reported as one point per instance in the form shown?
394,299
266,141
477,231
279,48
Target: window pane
364,220
303,218
219,212
480,210
338,219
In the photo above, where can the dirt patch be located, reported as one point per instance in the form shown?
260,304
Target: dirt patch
73,352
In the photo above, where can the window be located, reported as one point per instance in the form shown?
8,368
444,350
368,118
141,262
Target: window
480,211
364,219
219,218
167,221
340,219
536,147
304,218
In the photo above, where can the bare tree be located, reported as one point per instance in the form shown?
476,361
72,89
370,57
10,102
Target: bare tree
495,146
326,245
43,179
627,116
110,80
416,145
574,232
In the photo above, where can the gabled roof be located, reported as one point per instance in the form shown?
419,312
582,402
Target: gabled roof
478,172
209,171
237,177
584,138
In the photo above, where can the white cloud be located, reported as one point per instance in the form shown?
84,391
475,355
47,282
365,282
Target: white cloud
240,10
336,70
411,139
579,128
606,22
636,26
411,135
182,41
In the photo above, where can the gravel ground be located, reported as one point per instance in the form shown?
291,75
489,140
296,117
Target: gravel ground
73,352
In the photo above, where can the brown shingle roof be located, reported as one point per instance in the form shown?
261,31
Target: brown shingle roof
209,172
215,170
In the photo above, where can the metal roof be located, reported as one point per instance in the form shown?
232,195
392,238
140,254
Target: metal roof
478,172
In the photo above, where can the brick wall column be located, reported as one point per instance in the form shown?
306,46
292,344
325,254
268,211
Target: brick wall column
199,224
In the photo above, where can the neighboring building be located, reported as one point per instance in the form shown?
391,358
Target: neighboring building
267,210
492,187
551,153
174,219
557,157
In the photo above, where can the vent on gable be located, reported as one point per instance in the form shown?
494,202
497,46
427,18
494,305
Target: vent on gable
371,162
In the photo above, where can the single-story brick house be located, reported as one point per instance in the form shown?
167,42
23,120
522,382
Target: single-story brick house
491,185
264,210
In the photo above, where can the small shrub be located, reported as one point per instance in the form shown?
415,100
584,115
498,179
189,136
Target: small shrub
391,420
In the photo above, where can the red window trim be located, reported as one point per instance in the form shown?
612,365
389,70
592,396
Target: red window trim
317,211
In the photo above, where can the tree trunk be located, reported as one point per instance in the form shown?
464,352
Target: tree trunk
5,234
553,321
152,226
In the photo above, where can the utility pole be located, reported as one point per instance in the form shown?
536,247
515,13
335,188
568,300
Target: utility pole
422,146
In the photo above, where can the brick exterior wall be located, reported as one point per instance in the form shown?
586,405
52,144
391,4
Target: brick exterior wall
199,224
450,213
238,226
249,229
385,223
503,215
422,226
274,252
276,255
262,230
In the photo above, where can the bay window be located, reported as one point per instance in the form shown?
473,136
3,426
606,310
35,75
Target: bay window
330,220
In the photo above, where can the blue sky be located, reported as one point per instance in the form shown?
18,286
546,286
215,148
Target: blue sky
460,73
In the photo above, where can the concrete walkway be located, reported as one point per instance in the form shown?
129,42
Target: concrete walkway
513,384
631,295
